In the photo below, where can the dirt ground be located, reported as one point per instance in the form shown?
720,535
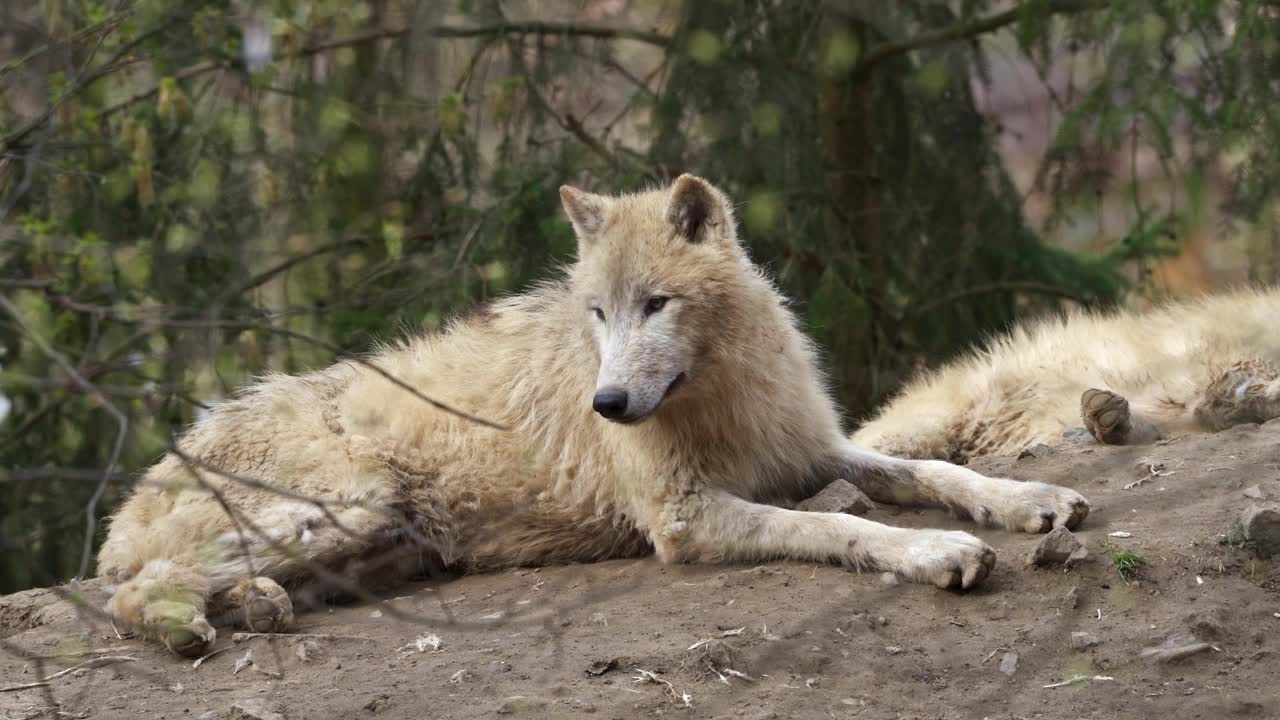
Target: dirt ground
801,640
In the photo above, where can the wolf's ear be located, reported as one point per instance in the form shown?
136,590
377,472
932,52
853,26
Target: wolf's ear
585,210
696,209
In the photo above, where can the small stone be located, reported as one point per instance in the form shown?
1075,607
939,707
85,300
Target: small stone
1009,663
1082,640
1038,450
1261,522
520,703
1255,493
252,710
1072,598
1059,546
377,703
1077,436
998,610
307,650
600,667
882,621
889,579
838,497
892,649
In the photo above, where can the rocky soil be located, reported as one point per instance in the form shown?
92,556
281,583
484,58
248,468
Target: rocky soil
1173,614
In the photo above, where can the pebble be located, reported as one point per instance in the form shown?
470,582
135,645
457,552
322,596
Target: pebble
1082,640
1009,663
1261,522
1057,547
252,710
1038,450
838,497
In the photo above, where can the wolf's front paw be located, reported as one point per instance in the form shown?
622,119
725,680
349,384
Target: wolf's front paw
180,627
1032,507
948,559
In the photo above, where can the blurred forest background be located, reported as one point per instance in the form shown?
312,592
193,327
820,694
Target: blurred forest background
195,192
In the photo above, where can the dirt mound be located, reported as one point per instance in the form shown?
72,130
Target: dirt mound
1191,630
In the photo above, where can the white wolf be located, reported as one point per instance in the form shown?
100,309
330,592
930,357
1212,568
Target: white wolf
658,398
1129,377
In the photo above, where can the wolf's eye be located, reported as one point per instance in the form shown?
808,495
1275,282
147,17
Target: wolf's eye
656,303
599,313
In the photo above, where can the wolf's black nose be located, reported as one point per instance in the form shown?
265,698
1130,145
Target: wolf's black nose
610,402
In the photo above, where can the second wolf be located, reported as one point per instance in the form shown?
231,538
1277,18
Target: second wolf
660,397
1128,377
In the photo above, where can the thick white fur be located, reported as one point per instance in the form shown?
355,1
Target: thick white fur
1200,364
693,477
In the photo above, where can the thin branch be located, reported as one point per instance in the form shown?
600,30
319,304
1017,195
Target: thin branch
55,473
571,124
266,276
122,429
536,27
1000,287
973,28
523,28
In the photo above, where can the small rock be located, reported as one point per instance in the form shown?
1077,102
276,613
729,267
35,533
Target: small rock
1009,663
1072,598
1058,546
377,703
892,649
1082,640
253,710
520,703
307,650
998,610
882,621
1077,436
889,579
1255,493
601,667
1038,450
838,497
499,666
1261,522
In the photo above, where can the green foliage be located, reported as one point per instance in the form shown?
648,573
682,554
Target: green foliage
181,222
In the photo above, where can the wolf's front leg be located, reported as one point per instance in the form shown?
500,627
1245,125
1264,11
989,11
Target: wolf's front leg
1027,506
714,526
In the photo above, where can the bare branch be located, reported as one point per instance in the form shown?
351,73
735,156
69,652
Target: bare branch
122,423
970,29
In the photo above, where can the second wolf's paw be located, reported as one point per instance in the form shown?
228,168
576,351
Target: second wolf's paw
1106,415
949,559
1033,507
266,606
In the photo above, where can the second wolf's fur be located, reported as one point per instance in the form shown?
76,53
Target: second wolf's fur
658,398
1201,364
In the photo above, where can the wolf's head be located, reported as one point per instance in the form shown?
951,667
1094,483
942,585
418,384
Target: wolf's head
655,276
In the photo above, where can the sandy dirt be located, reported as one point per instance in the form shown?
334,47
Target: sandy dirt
811,641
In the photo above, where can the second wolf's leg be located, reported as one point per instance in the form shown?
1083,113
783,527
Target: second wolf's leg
1246,392
1109,419
715,526
1015,505
259,604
